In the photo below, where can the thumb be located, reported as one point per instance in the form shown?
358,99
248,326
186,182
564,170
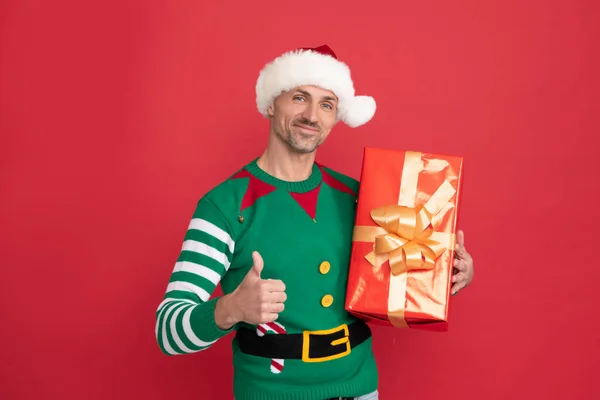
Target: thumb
258,263
460,238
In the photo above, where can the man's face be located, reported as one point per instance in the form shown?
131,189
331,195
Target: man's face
303,117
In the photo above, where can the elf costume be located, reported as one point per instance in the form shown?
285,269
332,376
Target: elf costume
303,231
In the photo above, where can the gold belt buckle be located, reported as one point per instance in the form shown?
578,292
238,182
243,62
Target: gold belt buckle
344,340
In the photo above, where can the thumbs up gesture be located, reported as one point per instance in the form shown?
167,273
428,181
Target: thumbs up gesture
257,300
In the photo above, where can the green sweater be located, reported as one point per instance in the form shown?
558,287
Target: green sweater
303,231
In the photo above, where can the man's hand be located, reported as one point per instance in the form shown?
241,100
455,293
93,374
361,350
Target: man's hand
463,265
254,301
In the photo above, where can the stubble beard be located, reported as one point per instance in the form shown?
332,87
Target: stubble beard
300,142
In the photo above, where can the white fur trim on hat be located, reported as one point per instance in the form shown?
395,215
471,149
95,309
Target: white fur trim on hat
307,67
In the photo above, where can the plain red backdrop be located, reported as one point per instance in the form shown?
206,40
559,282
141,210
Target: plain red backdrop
117,116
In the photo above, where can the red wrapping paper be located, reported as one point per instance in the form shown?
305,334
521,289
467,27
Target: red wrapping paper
403,244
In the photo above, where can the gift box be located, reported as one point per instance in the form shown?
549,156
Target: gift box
404,236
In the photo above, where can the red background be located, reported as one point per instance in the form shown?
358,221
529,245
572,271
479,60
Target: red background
113,112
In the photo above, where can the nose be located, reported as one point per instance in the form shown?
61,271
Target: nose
310,111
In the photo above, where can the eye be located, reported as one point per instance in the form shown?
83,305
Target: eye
327,105
298,98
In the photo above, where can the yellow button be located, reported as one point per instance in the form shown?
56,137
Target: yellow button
324,267
327,300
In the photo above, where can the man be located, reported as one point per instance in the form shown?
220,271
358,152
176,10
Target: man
277,236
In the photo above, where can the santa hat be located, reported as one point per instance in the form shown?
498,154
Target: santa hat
319,67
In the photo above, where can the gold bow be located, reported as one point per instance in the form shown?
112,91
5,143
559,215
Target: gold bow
407,243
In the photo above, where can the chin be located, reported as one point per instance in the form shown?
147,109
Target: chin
302,147
303,150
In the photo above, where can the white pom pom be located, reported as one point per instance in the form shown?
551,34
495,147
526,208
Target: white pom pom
359,111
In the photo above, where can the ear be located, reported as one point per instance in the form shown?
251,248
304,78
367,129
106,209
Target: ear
271,110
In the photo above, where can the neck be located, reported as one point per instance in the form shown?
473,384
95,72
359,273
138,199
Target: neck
283,163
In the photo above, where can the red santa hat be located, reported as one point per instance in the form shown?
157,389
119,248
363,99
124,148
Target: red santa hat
318,67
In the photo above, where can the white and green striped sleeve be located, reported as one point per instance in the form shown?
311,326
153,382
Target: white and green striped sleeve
185,319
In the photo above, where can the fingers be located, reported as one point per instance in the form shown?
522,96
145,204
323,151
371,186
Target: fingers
272,297
459,277
460,265
263,299
271,305
271,308
460,282
273,285
458,287
277,297
275,308
267,317
461,253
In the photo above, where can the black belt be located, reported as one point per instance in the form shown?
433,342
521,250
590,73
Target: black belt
309,346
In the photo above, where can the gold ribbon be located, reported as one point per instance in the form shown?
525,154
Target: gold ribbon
405,235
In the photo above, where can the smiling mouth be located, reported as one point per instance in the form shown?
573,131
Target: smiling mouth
307,128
